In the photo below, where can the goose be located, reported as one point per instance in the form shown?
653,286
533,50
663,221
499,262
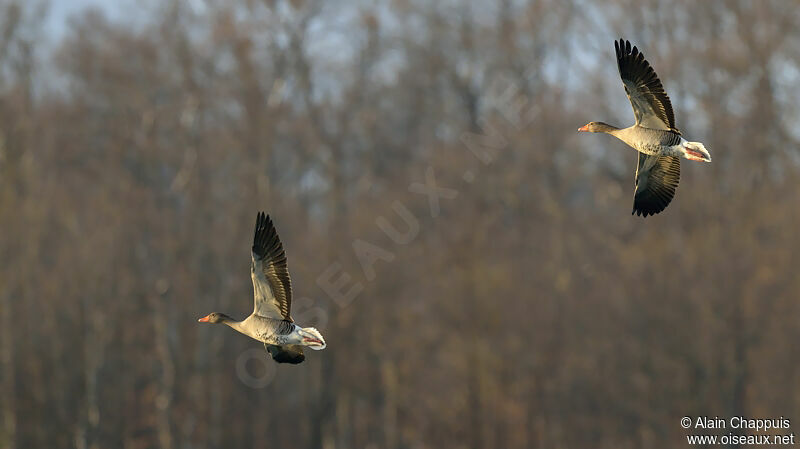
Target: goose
654,135
270,322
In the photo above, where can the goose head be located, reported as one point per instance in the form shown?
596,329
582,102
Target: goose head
597,127
215,317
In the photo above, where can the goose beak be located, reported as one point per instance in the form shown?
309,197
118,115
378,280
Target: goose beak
204,319
584,128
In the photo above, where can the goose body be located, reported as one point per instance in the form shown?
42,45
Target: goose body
654,135
271,322
652,142
268,330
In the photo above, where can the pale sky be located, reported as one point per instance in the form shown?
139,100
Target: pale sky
61,10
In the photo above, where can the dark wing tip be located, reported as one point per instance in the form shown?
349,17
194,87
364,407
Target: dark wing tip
264,235
624,48
650,205
645,212
259,222
626,56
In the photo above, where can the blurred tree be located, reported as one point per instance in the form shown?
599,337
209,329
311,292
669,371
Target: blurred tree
528,311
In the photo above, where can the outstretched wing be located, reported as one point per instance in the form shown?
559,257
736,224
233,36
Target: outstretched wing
651,105
657,178
272,287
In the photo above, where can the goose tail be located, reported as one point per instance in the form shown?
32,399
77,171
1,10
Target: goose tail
312,338
695,151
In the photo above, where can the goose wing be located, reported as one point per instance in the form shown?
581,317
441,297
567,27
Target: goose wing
272,287
286,354
657,178
650,103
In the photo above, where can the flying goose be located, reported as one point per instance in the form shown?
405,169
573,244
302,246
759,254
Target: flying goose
270,321
654,134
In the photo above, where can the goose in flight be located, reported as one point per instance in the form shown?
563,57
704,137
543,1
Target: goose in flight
654,134
270,321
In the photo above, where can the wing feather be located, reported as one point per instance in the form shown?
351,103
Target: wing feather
650,102
272,287
657,178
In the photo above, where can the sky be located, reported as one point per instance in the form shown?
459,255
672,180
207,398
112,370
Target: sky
60,11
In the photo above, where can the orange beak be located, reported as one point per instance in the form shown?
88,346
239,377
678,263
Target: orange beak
584,128
204,319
